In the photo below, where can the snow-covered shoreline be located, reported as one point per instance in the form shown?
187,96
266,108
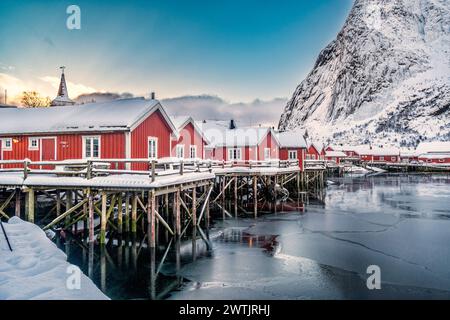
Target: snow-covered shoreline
37,269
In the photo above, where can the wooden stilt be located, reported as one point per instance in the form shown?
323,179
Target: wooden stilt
91,216
166,215
68,204
30,205
255,196
103,219
134,213
235,197
17,208
194,224
58,202
224,186
177,213
151,218
127,212
119,213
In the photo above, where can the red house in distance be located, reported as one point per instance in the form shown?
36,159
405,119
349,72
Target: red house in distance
292,147
191,142
240,144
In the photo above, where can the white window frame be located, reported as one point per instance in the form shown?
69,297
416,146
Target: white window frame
178,148
266,153
192,148
155,139
290,152
92,147
30,143
238,154
4,147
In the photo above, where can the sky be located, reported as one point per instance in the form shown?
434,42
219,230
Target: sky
239,50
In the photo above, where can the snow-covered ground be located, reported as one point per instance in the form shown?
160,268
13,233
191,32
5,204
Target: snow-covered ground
37,269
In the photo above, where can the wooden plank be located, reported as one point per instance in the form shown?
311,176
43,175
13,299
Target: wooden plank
65,214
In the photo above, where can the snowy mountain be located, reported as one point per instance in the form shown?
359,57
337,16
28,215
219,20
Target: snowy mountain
385,78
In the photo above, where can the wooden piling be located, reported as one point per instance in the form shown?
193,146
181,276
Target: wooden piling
30,205
177,213
236,197
127,212
103,218
119,213
151,218
91,215
58,202
255,196
194,224
134,213
17,207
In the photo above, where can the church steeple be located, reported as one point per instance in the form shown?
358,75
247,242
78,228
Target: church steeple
62,99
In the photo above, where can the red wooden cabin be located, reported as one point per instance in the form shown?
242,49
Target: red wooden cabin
191,142
314,152
240,144
292,147
378,154
350,152
335,156
435,158
126,128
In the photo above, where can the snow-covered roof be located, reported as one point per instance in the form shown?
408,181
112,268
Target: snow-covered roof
377,151
121,114
337,154
291,139
337,147
433,147
219,135
435,156
181,121
317,145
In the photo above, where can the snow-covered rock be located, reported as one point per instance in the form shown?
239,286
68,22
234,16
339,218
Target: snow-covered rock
384,79
37,269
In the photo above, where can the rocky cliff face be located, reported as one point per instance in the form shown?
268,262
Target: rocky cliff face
385,78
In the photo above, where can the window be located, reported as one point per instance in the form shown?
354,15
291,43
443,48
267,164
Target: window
266,153
33,144
381,158
91,147
193,152
179,151
7,144
152,148
292,155
393,158
234,154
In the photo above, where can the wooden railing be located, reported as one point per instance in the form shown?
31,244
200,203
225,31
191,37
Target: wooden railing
276,163
97,167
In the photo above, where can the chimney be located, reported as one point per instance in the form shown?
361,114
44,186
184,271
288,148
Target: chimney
152,95
232,124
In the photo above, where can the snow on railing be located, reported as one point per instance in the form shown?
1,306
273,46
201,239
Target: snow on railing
90,168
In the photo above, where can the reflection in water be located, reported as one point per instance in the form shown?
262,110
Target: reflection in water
303,248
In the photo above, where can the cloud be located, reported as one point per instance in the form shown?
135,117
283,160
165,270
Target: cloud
215,108
208,107
102,97
75,89
5,67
